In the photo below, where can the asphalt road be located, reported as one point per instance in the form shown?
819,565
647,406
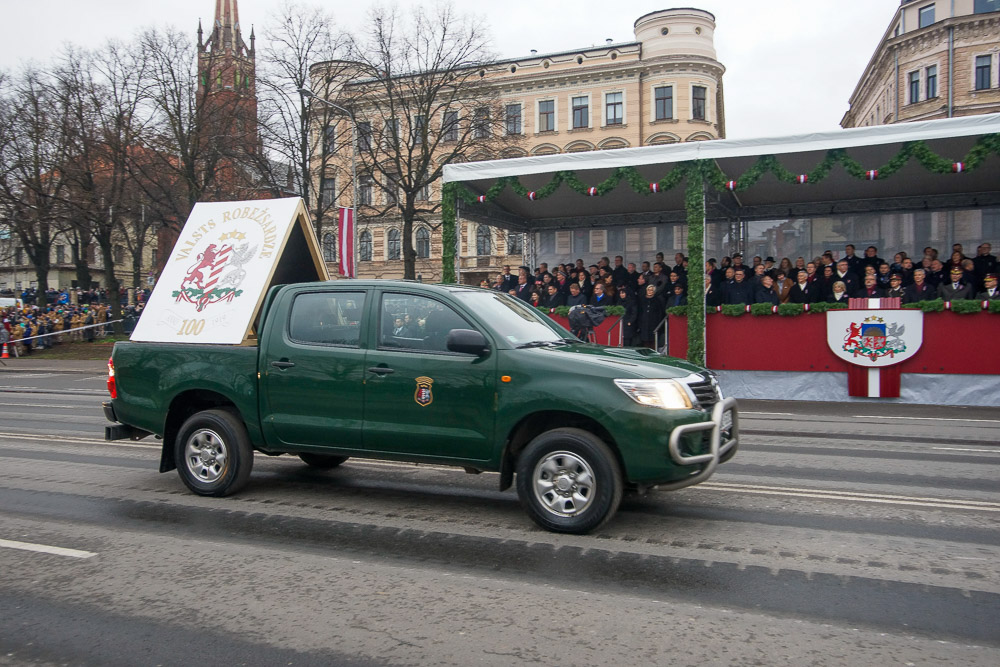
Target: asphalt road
837,536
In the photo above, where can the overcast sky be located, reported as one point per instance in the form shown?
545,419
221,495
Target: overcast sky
791,64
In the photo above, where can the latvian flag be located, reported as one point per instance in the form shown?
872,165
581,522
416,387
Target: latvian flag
345,241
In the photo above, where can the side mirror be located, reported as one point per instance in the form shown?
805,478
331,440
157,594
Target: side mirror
467,341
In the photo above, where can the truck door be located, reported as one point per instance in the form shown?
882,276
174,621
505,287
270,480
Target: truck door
313,371
421,399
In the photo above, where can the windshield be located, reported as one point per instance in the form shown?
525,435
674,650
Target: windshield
512,318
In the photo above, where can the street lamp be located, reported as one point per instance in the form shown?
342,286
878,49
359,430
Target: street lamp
306,93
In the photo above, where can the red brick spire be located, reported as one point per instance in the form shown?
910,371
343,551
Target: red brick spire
227,25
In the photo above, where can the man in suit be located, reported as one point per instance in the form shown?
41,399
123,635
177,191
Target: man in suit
991,292
984,262
741,291
508,282
956,287
871,290
854,264
846,276
920,290
554,298
803,291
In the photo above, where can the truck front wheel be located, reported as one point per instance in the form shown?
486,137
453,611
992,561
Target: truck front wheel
213,453
569,481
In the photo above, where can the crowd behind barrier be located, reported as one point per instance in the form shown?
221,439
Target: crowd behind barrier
646,290
27,326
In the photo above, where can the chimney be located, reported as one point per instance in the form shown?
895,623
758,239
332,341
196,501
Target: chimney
609,41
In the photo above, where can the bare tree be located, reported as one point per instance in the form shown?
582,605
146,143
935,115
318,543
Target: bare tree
32,152
423,99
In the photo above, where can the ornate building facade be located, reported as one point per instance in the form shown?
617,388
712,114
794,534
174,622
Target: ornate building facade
664,86
937,59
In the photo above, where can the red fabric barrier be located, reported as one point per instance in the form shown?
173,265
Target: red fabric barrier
606,333
957,344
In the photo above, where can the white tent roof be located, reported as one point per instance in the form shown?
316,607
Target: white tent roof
726,148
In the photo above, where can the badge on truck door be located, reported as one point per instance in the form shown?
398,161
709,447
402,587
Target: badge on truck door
423,395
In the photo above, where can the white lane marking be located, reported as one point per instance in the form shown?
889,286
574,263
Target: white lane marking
46,549
41,405
36,375
59,439
964,449
930,419
886,499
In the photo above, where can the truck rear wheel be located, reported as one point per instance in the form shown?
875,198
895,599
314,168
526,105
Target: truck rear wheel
322,461
569,481
213,453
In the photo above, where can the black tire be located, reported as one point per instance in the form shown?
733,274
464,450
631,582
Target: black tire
322,461
213,453
569,481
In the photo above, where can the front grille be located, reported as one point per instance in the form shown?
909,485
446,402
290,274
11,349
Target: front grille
705,391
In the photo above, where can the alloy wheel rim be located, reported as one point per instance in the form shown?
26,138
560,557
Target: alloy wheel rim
564,484
206,455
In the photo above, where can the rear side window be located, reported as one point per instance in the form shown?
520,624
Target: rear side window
327,318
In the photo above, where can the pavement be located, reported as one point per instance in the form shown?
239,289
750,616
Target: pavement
42,365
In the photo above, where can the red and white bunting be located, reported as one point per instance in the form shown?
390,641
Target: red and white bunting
481,199
531,195
958,167
654,187
802,179
872,174
730,185
592,192
345,241
774,309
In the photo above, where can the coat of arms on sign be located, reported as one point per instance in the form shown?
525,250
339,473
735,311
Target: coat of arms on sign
874,338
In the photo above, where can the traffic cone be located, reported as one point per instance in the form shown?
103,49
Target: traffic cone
4,355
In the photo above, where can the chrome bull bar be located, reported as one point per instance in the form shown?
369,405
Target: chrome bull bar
718,448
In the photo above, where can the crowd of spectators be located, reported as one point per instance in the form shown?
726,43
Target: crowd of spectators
27,326
647,289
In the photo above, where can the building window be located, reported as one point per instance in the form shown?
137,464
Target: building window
118,254
581,112
698,102
365,190
664,97
984,68
614,108
932,82
914,78
449,128
330,139
423,243
985,6
515,243
365,246
328,191
391,133
60,254
392,250
424,192
365,136
481,123
329,247
547,116
513,116
391,189
153,256
418,130
484,241
926,16
19,256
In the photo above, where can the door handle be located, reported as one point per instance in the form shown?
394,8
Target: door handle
282,364
380,370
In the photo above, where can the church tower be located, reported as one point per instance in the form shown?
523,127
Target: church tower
227,75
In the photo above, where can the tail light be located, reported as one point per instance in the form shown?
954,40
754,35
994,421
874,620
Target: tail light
112,387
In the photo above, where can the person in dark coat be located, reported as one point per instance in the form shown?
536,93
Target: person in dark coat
740,291
651,313
599,298
920,290
576,297
838,293
630,319
678,298
765,292
802,291
871,290
896,290
984,263
554,298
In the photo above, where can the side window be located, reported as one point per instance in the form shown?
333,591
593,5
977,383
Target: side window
327,318
417,323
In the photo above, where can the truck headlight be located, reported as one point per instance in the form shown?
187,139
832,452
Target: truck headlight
666,394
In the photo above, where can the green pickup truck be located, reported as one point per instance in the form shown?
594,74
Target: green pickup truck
438,374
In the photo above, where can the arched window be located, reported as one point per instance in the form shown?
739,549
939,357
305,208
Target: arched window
515,243
423,243
329,247
365,246
484,241
392,245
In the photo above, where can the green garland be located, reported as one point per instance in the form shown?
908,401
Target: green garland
449,225
694,203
